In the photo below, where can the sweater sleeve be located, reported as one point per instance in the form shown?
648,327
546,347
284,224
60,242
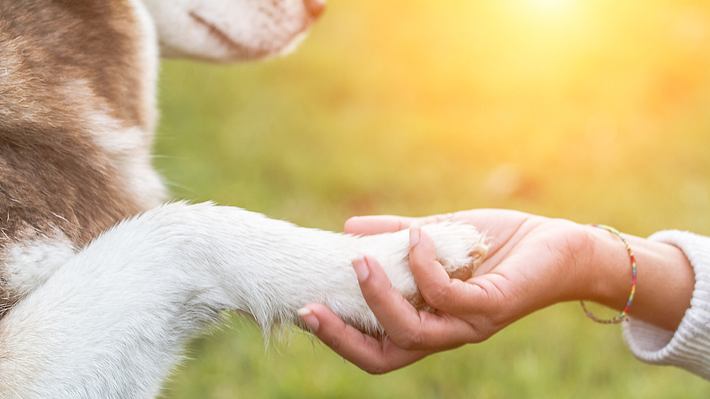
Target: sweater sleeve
689,346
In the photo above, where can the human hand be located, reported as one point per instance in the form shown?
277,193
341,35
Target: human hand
533,262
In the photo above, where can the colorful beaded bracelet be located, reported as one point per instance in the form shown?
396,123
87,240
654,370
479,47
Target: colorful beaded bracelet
632,260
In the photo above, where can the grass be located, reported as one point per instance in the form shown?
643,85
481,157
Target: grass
595,112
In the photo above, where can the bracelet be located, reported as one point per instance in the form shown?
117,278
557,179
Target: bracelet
632,261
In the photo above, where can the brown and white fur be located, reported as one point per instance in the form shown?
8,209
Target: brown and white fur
101,284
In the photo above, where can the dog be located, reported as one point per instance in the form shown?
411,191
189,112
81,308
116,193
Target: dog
101,281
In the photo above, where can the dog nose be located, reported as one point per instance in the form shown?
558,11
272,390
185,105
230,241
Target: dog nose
314,7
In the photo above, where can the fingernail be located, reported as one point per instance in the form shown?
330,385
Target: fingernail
415,235
309,318
361,269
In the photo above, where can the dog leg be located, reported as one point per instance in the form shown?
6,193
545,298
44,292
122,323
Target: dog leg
112,321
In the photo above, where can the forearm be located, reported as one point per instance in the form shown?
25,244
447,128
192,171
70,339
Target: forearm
665,277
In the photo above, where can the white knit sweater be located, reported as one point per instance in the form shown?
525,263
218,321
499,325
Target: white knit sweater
689,346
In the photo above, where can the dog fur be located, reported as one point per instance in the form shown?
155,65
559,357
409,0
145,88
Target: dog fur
100,284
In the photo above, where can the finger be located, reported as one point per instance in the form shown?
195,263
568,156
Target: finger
368,225
364,351
406,327
437,288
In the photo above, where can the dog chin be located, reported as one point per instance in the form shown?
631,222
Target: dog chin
236,51
265,54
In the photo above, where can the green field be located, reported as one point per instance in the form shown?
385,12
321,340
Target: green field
596,112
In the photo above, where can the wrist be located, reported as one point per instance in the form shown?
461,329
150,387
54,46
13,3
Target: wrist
665,278
607,269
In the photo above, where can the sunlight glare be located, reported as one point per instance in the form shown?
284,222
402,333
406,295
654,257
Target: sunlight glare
551,7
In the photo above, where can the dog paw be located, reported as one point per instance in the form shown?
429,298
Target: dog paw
460,249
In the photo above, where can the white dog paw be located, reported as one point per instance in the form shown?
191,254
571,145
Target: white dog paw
460,248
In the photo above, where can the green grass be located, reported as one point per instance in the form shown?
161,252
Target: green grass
597,114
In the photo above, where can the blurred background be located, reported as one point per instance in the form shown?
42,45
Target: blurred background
596,110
